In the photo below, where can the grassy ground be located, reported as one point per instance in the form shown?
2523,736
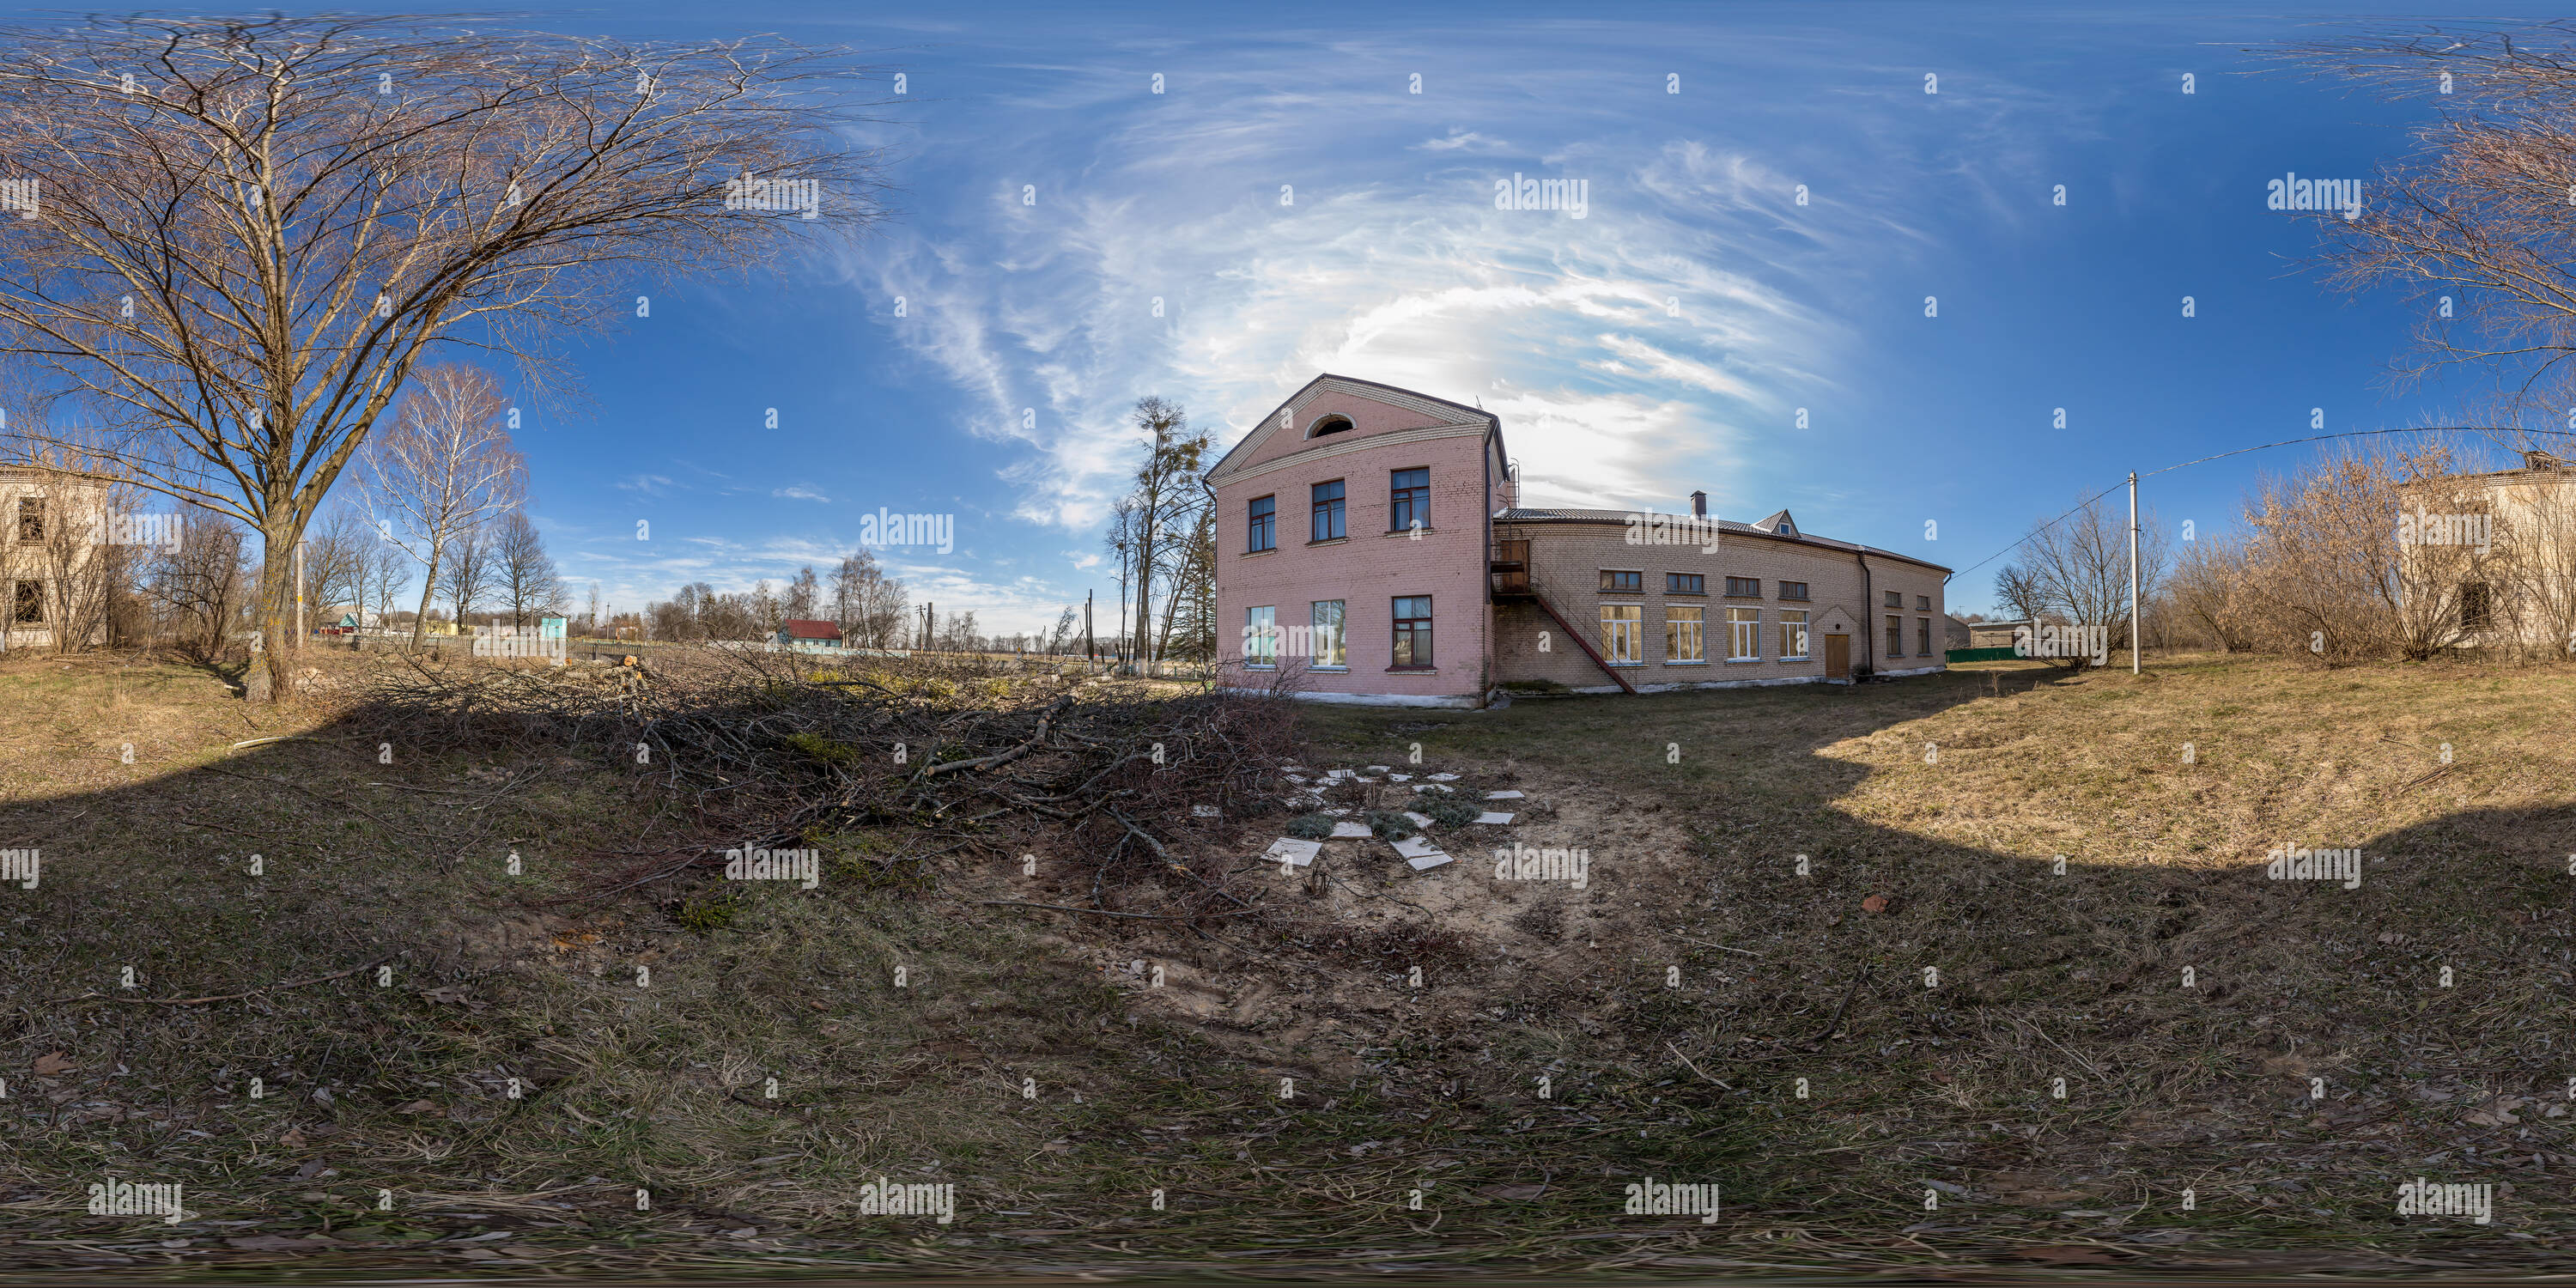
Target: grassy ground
1675,1004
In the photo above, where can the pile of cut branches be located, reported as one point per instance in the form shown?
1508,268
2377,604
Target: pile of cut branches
1128,791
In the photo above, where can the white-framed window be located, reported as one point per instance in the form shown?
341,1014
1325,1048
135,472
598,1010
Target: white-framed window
1622,631
1743,634
1327,619
1261,636
1682,639
1793,635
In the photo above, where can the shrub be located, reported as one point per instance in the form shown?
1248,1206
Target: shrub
1390,825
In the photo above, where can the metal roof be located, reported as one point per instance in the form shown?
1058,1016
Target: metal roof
1723,525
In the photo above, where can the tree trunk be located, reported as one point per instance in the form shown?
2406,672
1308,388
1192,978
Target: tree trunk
428,586
266,678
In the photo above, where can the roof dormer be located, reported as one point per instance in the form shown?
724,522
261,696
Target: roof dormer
1779,524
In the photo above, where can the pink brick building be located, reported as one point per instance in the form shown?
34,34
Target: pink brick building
1369,539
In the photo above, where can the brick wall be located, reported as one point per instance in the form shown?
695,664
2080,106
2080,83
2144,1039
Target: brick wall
1368,569
1567,560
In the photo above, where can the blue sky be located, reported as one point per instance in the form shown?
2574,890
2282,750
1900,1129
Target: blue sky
1662,343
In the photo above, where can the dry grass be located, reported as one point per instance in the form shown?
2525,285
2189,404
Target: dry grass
1783,977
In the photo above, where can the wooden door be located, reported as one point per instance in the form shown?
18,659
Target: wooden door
1838,657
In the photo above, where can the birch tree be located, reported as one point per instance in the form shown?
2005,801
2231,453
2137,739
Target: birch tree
443,468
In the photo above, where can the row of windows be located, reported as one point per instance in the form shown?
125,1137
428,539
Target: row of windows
1321,642
1408,506
1922,603
1618,581
1623,635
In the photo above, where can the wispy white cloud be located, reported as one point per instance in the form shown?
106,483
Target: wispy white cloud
798,493
1465,141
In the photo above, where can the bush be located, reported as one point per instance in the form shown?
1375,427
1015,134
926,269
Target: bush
1311,827
1449,811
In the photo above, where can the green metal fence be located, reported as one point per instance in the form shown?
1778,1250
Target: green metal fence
2003,654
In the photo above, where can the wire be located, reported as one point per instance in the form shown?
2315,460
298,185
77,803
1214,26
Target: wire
2082,505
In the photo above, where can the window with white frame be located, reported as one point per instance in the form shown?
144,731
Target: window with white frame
1261,636
1743,634
1327,619
1682,638
1622,626
1793,635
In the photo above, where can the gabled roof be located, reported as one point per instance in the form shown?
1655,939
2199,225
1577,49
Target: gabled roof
799,628
1779,523
1723,526
1269,422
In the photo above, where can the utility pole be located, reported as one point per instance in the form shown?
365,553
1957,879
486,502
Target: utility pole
1089,648
2133,572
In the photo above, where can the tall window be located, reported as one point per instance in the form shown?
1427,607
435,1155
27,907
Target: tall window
28,608
1793,590
1682,642
1895,636
2477,606
1685,583
1615,582
1743,634
31,518
1923,636
1621,626
1408,500
1793,635
1328,511
1261,636
1265,525
1744,587
1328,634
1413,631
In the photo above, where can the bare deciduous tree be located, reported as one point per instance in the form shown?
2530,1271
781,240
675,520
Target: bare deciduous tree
199,587
253,229
443,467
527,573
468,572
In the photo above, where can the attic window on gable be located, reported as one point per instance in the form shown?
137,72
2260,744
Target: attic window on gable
1329,425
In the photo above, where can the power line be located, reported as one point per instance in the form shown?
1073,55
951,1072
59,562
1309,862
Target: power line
2082,505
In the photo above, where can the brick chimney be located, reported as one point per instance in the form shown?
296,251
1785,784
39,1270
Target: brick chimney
1699,505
